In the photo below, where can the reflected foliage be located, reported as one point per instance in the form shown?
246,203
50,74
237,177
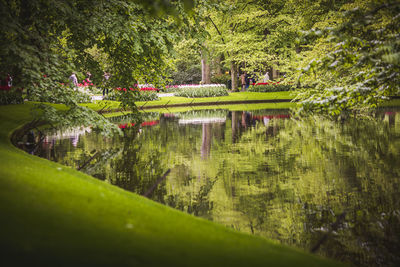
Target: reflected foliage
309,183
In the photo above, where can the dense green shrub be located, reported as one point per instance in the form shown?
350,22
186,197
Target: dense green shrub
270,88
11,96
186,75
222,79
202,91
57,94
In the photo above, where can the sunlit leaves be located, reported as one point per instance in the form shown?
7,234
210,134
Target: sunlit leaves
364,61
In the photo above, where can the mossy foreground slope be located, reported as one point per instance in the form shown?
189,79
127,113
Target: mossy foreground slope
55,215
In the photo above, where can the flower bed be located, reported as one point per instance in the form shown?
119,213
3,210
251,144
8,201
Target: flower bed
177,88
141,94
204,90
269,87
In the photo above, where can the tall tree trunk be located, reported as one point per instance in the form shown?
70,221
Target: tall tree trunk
275,74
218,69
234,77
205,68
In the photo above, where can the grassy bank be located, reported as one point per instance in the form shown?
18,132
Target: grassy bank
174,100
55,215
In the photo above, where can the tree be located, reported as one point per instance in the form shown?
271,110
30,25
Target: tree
53,37
186,62
251,35
359,67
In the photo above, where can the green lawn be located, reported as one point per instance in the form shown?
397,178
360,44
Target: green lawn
55,215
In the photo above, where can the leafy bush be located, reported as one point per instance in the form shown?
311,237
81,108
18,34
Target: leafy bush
269,87
56,94
11,96
222,79
190,75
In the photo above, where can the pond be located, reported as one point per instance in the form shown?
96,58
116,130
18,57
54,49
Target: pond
332,188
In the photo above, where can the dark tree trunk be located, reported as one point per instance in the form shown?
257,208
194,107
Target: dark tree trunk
218,69
205,69
234,77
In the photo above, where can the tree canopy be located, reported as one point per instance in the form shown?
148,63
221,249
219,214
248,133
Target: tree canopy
344,55
43,41
358,66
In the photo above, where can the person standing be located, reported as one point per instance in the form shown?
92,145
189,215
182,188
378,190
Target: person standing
9,80
73,79
266,77
106,77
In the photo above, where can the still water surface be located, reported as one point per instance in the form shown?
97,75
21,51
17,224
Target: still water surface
319,185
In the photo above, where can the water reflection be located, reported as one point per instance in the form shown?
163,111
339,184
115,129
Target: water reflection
309,183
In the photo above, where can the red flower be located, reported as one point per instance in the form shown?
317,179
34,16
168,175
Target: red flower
148,89
149,123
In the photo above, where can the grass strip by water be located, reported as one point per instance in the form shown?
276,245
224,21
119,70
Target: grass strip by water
55,215
237,107
231,98
239,97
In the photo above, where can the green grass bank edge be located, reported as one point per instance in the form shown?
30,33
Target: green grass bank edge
53,214
174,101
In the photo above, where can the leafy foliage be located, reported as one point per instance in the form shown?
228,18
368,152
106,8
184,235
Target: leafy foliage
52,38
362,68
75,115
58,94
186,61
222,79
12,96
254,36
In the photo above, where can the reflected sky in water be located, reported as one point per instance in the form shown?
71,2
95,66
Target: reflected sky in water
311,183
